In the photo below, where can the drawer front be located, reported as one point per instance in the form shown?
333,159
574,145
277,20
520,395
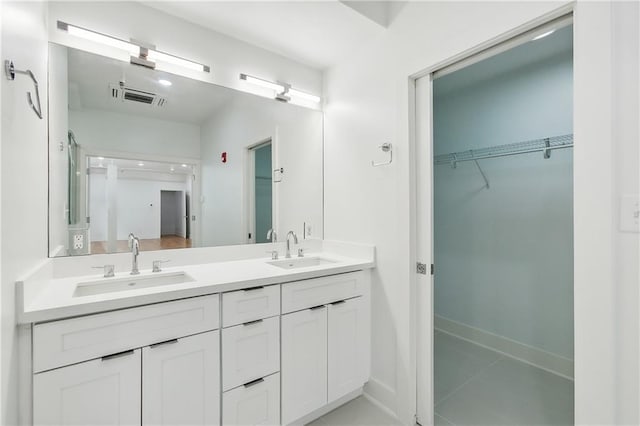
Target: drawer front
65,342
251,304
257,403
250,351
319,291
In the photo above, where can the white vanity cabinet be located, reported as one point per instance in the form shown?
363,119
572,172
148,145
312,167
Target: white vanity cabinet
180,381
155,364
347,347
270,355
104,391
304,362
325,347
251,357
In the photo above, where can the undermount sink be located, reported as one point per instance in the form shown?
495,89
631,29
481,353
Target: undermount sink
300,262
111,285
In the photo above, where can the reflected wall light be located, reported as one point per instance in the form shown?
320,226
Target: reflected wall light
281,91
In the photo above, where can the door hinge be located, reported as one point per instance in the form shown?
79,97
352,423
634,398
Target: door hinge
421,268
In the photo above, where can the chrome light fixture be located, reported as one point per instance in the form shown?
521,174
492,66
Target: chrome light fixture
281,91
141,53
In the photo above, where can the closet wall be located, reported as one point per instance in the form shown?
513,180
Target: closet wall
504,255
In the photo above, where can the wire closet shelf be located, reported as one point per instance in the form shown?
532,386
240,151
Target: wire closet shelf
545,145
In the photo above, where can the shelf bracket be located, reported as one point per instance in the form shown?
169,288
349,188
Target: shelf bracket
486,181
547,151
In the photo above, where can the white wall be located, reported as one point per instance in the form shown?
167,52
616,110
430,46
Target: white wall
23,165
367,103
58,158
504,255
626,125
98,130
138,205
227,57
297,143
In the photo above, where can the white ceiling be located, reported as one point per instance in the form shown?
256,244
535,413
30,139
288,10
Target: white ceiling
316,33
188,100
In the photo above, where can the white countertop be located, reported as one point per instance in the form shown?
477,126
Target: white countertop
55,298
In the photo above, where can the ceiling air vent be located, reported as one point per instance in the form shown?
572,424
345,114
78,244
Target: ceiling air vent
129,94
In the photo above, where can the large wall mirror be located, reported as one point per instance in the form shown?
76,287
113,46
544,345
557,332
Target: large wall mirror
177,162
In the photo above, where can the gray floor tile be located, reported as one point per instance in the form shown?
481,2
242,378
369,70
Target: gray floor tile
441,421
359,412
457,361
510,392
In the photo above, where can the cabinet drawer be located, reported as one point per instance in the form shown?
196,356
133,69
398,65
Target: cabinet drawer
256,403
319,291
251,304
65,342
250,351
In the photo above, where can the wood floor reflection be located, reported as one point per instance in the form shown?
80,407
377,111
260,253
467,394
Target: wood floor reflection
165,242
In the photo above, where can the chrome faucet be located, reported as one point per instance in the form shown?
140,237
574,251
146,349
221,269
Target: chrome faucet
134,245
295,240
271,235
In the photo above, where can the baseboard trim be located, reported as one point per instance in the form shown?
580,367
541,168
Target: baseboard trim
380,392
552,363
381,406
327,408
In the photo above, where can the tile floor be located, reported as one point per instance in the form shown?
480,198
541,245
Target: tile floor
359,412
476,386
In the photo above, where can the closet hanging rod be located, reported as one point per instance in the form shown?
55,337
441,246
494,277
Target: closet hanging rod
545,145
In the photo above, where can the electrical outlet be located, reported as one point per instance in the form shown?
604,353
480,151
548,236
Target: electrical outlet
78,241
307,230
629,213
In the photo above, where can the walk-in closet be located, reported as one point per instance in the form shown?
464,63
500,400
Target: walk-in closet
503,236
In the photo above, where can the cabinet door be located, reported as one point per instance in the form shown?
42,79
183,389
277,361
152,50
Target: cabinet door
104,391
346,347
253,404
304,362
181,381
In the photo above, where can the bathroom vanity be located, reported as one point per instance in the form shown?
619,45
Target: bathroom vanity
242,342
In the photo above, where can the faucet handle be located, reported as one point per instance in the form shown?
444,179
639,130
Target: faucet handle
301,252
109,270
274,254
157,263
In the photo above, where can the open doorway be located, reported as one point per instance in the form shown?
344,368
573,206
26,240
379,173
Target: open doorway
261,192
172,214
496,197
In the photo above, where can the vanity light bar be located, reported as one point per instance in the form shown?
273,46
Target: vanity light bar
278,88
282,91
141,55
303,95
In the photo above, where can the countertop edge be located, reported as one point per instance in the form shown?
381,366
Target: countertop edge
64,312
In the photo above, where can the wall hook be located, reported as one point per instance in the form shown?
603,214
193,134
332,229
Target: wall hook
385,147
11,72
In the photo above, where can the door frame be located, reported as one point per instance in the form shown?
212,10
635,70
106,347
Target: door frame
250,188
594,298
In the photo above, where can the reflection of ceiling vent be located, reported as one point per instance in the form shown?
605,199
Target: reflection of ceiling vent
129,94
